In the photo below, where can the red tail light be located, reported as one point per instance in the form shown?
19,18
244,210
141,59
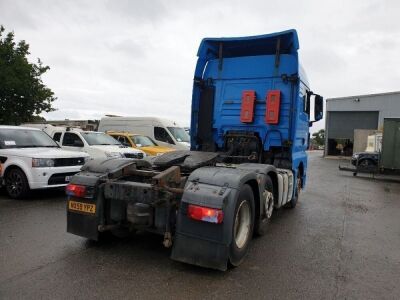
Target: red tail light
205,214
76,190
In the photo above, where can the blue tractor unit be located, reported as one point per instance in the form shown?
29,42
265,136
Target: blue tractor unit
251,98
249,133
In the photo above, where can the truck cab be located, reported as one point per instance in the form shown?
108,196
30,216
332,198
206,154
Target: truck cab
251,98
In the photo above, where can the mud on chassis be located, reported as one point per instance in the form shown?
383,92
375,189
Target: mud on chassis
207,211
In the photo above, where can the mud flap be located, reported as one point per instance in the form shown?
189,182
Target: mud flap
200,252
202,243
207,244
81,223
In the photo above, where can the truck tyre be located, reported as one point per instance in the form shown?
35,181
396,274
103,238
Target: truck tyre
16,184
261,227
292,203
242,226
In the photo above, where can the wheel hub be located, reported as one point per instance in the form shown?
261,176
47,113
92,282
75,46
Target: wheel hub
14,184
242,224
268,204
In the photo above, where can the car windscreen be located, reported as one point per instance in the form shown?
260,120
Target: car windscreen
25,138
179,134
99,138
143,141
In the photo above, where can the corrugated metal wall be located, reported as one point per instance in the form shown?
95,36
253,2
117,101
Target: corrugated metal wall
391,144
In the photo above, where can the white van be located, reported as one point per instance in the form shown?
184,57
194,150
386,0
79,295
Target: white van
166,132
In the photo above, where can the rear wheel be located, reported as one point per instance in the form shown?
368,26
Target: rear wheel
292,203
243,223
16,184
267,205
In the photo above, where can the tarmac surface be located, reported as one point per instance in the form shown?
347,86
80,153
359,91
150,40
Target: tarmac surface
341,241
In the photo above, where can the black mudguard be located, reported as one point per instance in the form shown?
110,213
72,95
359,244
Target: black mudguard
207,244
93,175
82,224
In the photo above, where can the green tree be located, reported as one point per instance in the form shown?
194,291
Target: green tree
23,96
319,137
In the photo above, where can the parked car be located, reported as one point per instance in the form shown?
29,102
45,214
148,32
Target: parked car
96,144
365,159
165,132
30,159
141,142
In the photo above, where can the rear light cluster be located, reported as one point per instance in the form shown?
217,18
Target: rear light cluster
79,191
206,214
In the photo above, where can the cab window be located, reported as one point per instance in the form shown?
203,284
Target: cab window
122,139
160,134
72,140
57,136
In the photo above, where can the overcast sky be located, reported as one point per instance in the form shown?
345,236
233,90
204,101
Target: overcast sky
137,58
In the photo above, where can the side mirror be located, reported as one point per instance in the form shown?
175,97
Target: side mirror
318,107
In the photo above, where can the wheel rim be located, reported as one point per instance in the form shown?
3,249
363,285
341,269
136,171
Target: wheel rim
14,184
298,184
269,207
242,224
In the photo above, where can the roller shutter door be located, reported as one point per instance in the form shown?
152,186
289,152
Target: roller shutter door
341,124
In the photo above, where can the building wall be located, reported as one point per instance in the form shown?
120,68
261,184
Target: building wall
387,104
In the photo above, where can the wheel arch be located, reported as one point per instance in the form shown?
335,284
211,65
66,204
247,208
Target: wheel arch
367,159
13,166
257,198
214,187
10,167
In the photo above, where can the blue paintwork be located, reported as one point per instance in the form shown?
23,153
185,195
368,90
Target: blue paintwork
249,64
